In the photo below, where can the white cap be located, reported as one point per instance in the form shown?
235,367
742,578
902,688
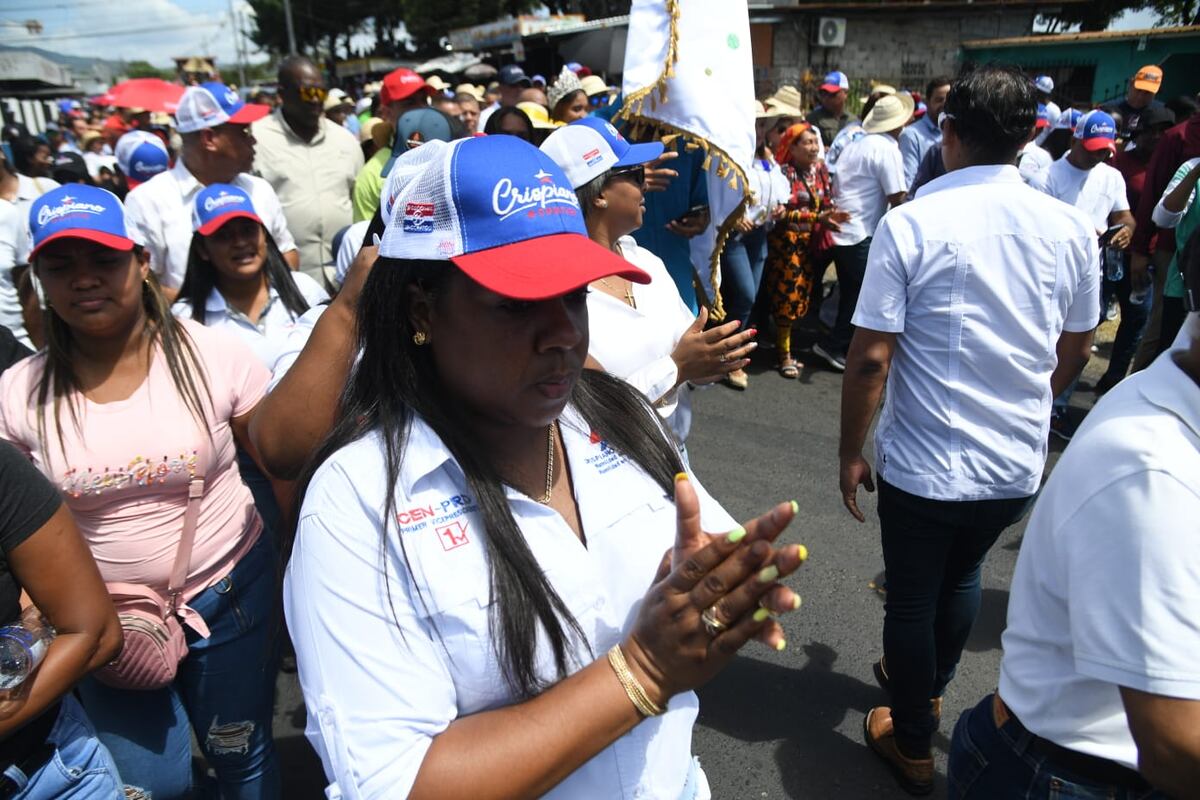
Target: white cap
589,147
211,104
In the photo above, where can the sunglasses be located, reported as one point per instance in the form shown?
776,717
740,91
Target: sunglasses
313,94
637,174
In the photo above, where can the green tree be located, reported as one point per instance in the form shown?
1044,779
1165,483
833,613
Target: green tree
144,69
1097,15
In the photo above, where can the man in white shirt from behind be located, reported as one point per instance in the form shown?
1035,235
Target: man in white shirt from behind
979,304
1034,159
1082,178
1100,681
869,181
217,148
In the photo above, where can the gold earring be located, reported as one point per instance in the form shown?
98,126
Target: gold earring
419,338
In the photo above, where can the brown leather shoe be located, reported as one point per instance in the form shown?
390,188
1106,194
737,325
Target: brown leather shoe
915,775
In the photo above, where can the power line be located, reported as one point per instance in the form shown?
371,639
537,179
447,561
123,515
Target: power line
33,41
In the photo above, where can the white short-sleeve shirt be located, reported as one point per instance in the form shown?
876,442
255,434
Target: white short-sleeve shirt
15,244
1107,587
869,170
381,682
269,336
1033,161
978,275
159,215
1097,192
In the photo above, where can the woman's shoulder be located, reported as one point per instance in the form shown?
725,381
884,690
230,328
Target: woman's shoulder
313,292
22,375
642,258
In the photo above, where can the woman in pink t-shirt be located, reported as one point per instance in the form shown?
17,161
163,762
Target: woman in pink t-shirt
120,410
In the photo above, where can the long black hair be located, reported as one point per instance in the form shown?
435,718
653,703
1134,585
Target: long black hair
395,380
201,278
58,380
498,116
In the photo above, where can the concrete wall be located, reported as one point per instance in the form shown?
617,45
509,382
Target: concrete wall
903,48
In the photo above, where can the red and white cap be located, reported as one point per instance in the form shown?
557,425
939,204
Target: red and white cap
211,104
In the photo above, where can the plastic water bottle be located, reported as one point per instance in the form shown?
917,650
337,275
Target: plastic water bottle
23,645
1114,266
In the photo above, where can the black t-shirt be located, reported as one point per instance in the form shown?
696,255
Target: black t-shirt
11,351
1129,114
27,501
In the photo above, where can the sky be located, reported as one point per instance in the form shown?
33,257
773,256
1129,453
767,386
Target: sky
157,30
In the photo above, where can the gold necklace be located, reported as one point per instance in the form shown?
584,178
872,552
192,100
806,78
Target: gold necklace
629,299
545,499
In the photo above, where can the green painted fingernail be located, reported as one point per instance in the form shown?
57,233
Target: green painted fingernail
781,645
736,535
796,602
795,506
761,615
768,574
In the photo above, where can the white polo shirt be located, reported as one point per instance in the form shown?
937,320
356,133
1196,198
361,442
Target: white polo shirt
381,682
978,275
869,170
269,336
159,215
635,344
1107,587
1097,192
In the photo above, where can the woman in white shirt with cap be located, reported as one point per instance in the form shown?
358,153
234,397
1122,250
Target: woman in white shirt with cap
643,334
490,592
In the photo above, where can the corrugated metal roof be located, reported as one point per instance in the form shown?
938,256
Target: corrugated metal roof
1093,36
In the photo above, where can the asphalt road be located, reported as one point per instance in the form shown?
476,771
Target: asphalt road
789,725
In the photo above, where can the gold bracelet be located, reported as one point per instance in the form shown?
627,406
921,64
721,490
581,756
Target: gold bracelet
637,695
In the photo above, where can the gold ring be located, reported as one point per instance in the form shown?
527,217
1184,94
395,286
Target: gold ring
712,625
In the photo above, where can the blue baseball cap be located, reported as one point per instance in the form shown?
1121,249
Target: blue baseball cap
141,155
211,104
218,203
501,211
1044,83
513,75
835,82
1068,119
589,147
1043,116
415,127
1097,131
77,211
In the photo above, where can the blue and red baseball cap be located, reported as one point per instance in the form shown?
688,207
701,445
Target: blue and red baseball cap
1097,130
78,211
1043,117
141,155
1068,119
211,104
589,147
501,211
835,82
218,203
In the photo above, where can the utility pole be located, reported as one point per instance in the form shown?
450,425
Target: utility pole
235,23
291,28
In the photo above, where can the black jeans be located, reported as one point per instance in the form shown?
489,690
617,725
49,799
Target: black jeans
933,551
851,263
1133,323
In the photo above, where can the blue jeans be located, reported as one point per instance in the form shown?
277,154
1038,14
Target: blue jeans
264,496
81,768
741,272
1133,324
224,690
933,552
990,763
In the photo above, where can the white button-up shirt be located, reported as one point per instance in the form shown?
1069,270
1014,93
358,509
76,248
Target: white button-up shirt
978,275
1105,590
15,244
159,215
380,682
1098,192
269,337
313,180
869,171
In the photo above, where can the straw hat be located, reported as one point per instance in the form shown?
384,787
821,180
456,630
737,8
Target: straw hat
891,112
471,89
566,83
785,102
594,85
89,136
538,115
879,88
436,83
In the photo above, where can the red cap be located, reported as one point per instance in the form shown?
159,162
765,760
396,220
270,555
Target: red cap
401,83
522,271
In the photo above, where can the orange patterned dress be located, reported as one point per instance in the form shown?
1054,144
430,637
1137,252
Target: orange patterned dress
790,274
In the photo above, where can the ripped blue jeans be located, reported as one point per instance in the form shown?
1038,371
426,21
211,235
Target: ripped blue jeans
224,691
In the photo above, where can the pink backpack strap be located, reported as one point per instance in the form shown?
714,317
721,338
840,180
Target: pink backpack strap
183,555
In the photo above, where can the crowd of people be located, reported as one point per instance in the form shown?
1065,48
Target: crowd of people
429,354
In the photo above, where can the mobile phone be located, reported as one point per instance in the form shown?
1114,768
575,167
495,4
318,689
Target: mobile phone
691,214
1106,237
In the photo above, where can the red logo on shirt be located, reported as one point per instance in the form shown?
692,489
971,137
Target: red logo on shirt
453,535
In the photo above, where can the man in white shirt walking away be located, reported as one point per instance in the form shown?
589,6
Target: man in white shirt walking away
218,147
870,179
979,304
1100,681
1082,178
